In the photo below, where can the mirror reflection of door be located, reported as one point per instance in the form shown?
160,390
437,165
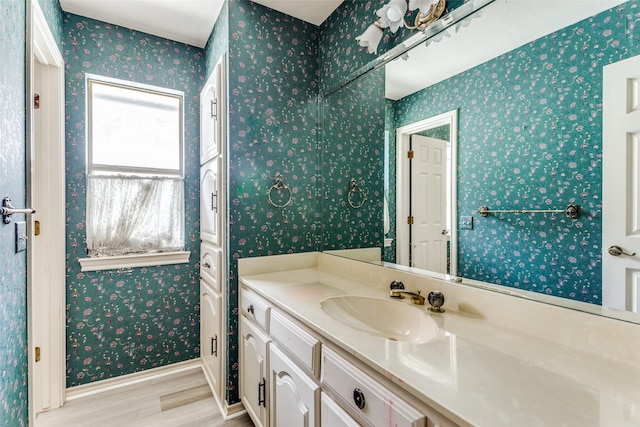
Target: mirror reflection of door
429,230
426,194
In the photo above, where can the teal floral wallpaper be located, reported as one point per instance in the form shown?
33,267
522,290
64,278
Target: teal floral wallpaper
273,114
124,321
53,14
353,124
13,309
530,136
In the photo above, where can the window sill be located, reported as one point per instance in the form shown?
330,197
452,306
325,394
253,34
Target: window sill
130,261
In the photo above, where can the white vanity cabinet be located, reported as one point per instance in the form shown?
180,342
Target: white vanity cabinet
333,415
254,342
211,335
372,402
294,396
253,373
291,376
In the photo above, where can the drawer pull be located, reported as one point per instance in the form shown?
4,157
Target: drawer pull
206,265
250,309
214,346
358,398
262,393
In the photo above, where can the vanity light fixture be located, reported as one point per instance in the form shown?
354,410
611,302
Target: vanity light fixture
392,16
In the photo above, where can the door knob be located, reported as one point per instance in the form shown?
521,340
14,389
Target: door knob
617,251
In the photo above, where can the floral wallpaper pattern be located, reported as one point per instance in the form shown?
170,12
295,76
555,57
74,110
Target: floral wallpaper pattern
530,132
353,123
340,54
273,113
124,321
13,303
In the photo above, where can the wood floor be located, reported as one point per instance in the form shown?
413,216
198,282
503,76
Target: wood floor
177,400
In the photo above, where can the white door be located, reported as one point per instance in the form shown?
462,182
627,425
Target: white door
210,335
253,372
621,186
295,398
46,238
429,232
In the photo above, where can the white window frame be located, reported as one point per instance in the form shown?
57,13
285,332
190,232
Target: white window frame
144,259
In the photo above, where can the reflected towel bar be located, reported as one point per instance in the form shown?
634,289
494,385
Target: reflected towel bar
571,211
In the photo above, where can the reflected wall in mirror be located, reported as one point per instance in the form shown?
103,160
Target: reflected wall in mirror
529,137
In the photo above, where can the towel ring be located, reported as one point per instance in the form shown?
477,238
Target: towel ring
353,190
278,184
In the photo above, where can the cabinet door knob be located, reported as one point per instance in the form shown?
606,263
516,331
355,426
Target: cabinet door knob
250,309
358,398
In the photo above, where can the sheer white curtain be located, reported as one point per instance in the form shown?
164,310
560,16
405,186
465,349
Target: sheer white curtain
133,214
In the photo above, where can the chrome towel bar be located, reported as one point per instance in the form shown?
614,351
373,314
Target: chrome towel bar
571,211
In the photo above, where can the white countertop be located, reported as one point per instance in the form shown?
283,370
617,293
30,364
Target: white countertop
474,372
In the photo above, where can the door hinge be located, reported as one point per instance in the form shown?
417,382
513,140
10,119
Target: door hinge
37,354
410,154
36,101
36,228
410,220
214,108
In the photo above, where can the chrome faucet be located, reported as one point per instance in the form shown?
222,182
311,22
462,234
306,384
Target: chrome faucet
397,291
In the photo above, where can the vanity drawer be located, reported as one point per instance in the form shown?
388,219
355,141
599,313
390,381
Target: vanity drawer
210,265
254,307
300,344
366,397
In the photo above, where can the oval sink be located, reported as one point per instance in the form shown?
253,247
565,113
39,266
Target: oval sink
381,317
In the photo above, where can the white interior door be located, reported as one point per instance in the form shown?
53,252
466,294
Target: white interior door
621,186
429,232
46,238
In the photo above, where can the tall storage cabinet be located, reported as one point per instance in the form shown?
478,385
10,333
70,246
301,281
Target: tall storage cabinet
213,253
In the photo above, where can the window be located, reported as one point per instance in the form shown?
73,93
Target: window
135,188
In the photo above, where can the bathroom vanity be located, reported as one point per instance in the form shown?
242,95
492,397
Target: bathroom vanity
322,343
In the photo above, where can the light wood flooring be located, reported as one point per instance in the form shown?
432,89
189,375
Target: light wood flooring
182,399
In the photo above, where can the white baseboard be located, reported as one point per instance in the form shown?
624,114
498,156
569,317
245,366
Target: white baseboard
90,389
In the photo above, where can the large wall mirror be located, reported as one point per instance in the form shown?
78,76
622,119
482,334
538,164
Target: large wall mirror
506,111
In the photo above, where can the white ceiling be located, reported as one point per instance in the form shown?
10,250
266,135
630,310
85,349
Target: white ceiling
186,21
503,25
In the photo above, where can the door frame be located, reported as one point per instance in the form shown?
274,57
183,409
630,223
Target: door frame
403,178
41,47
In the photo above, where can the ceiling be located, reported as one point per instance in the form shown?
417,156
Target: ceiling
512,23
186,21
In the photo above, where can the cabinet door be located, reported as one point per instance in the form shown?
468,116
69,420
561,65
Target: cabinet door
253,372
211,114
211,265
211,336
333,415
294,397
211,201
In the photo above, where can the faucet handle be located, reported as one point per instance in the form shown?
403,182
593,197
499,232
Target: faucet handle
436,299
396,284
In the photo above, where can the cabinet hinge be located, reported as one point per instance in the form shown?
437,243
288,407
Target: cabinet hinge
36,228
36,101
410,154
37,354
410,220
